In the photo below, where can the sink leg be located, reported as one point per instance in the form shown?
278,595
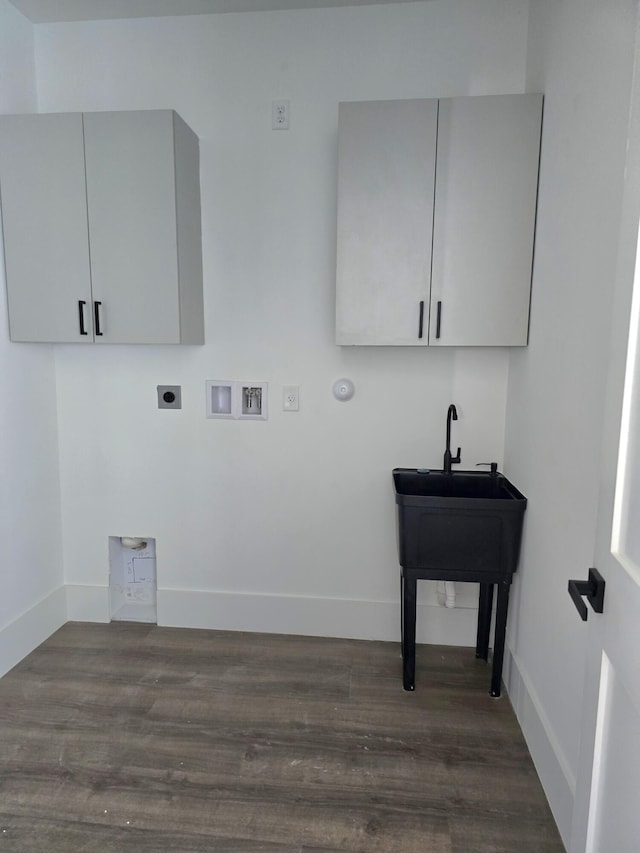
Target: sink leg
484,620
501,630
408,611
401,614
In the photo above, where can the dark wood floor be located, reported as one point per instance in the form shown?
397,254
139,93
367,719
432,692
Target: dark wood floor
130,737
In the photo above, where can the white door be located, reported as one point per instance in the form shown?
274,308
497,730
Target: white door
607,803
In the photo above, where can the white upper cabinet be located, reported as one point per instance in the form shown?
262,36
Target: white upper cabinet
101,219
44,222
386,173
484,219
436,220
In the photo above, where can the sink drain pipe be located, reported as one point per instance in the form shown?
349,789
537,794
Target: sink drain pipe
447,593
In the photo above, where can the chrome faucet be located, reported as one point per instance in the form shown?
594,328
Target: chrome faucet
452,414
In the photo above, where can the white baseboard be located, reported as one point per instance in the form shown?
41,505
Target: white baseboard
225,611
24,634
319,617
286,614
555,774
88,603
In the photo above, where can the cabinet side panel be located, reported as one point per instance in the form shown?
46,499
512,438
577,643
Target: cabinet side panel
44,220
187,168
132,225
386,164
484,218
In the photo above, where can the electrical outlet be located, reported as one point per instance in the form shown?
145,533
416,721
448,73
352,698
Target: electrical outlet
169,396
291,398
280,115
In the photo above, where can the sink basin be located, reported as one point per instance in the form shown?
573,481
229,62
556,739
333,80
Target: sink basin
460,484
464,525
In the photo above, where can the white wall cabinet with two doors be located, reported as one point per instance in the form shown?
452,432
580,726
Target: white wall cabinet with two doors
436,219
101,225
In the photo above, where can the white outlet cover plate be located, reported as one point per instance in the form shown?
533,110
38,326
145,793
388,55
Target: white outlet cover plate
280,115
291,398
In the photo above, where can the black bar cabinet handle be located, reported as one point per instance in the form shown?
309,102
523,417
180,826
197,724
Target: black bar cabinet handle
96,315
593,589
81,304
421,321
438,319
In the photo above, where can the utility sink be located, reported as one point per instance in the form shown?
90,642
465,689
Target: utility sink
458,526
461,523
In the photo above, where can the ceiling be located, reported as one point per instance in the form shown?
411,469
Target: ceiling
49,11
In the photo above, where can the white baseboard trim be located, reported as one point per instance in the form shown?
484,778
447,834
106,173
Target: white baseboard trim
555,774
88,603
286,614
20,637
319,617
232,611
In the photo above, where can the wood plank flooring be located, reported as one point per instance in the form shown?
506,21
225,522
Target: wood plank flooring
130,737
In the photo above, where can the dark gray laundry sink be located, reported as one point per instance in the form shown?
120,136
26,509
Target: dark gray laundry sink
458,526
463,522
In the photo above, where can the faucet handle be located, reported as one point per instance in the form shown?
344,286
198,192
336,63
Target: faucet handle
457,457
493,465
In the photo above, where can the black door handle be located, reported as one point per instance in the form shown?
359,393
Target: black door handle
438,319
593,589
421,320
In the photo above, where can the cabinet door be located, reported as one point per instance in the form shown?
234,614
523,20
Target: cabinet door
44,220
385,217
131,199
484,219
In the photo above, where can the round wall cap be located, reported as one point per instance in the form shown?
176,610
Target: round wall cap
343,389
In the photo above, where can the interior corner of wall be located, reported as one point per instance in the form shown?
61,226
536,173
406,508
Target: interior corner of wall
556,775
87,603
27,631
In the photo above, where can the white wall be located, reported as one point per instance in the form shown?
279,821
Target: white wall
580,56
31,604
289,524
